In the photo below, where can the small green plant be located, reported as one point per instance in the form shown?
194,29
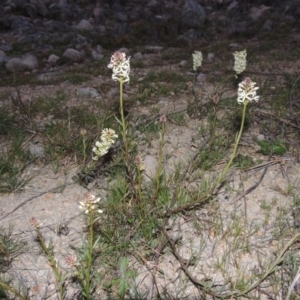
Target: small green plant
47,249
276,147
85,272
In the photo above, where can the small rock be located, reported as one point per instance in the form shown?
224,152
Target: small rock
267,25
261,137
124,50
88,92
6,47
36,150
3,57
210,56
154,48
121,16
257,12
84,25
232,6
113,92
234,45
192,34
52,59
183,63
201,77
96,56
73,55
138,56
193,14
99,49
27,62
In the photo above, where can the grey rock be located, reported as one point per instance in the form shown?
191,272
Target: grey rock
36,8
100,14
193,14
201,78
34,38
27,62
99,49
52,59
36,150
257,12
210,56
96,56
238,27
121,28
88,92
154,48
267,25
81,41
6,47
3,57
20,23
183,63
121,16
84,25
124,50
56,26
234,45
112,92
261,137
233,5
192,35
138,56
73,55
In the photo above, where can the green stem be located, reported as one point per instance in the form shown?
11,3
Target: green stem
222,82
160,163
87,286
126,143
53,264
224,172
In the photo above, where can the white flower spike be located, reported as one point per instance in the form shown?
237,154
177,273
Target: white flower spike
120,66
247,91
108,137
88,204
240,61
197,60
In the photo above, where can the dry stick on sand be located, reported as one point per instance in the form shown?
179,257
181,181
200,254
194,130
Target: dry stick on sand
234,294
54,190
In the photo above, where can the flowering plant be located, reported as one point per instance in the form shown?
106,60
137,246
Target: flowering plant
108,137
240,61
247,91
120,66
197,60
88,204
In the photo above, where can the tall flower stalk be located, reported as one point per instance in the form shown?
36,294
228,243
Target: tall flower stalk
246,93
159,173
89,206
120,65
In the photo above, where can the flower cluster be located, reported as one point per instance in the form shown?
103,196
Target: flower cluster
240,61
120,66
34,222
247,91
71,260
108,137
139,163
197,60
88,204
